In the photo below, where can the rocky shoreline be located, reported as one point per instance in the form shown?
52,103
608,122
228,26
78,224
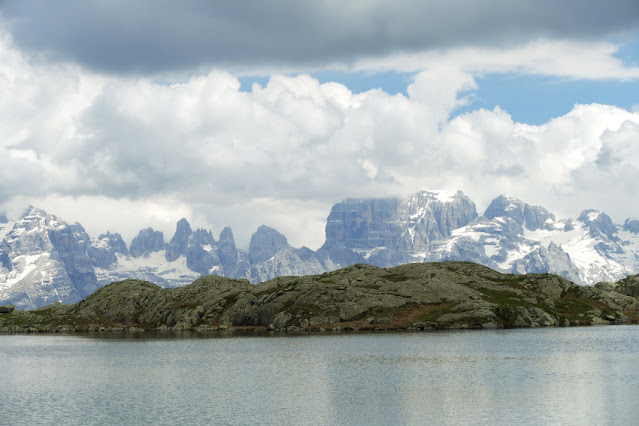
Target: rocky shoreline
422,296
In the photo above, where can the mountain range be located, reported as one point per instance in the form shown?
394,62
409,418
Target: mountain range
44,260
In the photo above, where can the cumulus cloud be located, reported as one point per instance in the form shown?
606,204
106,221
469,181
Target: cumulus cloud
123,153
162,35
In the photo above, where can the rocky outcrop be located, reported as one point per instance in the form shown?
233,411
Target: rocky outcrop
102,251
628,286
6,309
360,297
147,241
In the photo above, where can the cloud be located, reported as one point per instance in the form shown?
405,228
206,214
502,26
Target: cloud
160,35
574,59
122,153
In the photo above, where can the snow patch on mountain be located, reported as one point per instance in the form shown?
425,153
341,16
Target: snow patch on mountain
152,267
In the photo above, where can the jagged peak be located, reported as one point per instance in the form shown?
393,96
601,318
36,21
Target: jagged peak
183,227
179,243
227,235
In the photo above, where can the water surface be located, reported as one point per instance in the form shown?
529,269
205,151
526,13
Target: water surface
526,376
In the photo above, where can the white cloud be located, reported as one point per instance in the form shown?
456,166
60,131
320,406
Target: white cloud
547,57
126,153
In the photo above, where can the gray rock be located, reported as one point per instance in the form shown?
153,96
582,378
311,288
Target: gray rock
234,262
102,251
147,241
629,286
631,225
265,243
599,224
547,259
50,256
525,215
395,223
7,309
180,241
71,244
201,252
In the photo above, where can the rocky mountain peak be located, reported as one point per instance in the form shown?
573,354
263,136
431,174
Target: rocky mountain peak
147,241
114,241
234,262
393,223
525,215
180,241
598,223
366,223
265,243
433,215
102,250
202,237
226,235
631,225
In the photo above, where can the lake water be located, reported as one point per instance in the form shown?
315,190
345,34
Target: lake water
528,376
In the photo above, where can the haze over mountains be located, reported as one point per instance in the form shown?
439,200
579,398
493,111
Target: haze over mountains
44,260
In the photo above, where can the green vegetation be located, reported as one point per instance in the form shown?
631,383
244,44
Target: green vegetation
360,297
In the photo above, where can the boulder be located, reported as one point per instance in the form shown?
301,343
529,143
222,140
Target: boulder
6,309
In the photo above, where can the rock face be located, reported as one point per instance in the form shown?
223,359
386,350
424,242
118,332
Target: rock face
398,224
631,225
387,232
45,261
414,296
265,243
102,250
147,241
180,241
232,260
629,286
599,224
524,215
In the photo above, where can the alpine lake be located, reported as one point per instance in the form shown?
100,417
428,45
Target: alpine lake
577,375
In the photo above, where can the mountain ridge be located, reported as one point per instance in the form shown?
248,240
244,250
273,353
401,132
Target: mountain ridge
44,259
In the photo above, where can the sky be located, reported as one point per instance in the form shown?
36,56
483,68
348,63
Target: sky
125,115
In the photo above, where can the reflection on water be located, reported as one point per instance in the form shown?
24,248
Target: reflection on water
561,376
